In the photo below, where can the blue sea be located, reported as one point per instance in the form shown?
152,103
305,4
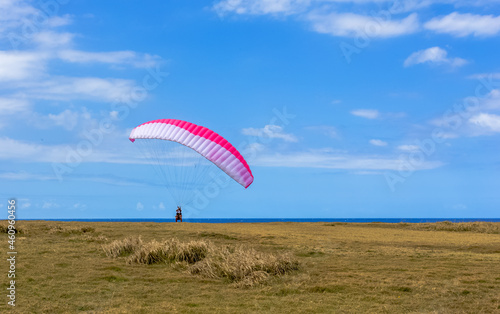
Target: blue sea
263,220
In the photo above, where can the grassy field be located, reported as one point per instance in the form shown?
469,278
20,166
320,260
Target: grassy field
374,267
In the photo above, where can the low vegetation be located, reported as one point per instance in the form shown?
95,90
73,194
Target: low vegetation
69,230
124,267
170,251
242,265
474,227
245,266
123,247
4,228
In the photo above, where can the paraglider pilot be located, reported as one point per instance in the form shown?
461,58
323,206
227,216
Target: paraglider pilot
178,214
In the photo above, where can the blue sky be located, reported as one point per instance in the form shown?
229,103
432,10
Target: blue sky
342,108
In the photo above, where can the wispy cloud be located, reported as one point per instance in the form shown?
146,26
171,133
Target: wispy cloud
434,55
366,113
270,131
326,130
351,25
408,148
105,179
139,206
73,88
13,105
326,160
259,7
478,76
13,14
50,205
461,25
23,176
376,142
351,18
17,65
488,122
24,151
113,57
51,39
67,119
481,119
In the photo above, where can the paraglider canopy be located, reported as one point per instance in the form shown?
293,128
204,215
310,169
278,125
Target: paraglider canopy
203,142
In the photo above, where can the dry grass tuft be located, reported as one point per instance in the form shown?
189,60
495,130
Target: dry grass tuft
70,230
476,226
93,238
244,266
123,247
170,251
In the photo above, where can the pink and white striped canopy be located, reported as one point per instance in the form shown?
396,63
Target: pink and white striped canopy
204,141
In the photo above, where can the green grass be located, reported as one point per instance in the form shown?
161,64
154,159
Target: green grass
255,268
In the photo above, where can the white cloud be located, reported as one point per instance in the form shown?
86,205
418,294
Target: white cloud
23,175
408,148
257,7
376,142
53,39
50,205
366,113
24,203
12,149
57,21
114,57
351,25
447,135
19,19
114,115
491,76
22,151
252,149
490,101
107,179
326,130
367,173
160,206
270,131
461,25
434,55
13,14
479,118
79,206
67,119
139,206
489,122
17,65
338,161
13,105
90,88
